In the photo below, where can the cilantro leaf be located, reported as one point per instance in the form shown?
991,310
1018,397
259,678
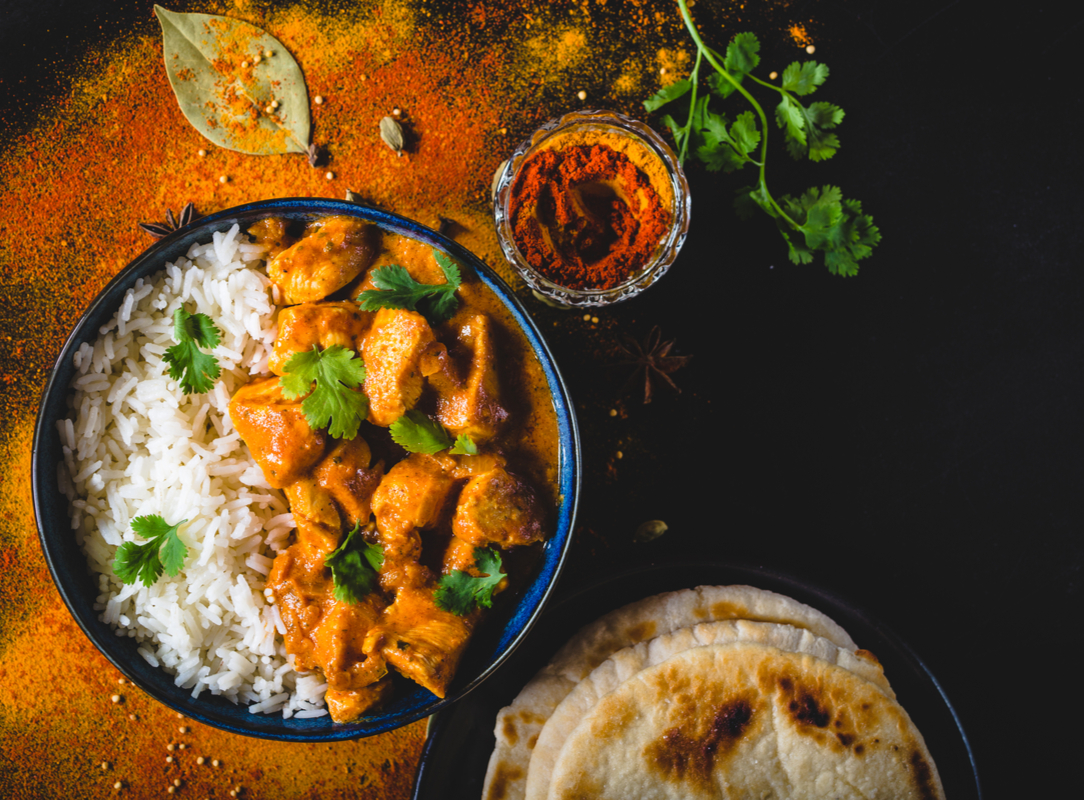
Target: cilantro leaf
804,78
196,371
668,94
819,118
333,402
821,221
395,288
417,433
726,148
742,54
165,552
464,446
460,593
792,121
354,565
831,225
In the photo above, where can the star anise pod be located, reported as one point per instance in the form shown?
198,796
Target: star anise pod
160,229
652,361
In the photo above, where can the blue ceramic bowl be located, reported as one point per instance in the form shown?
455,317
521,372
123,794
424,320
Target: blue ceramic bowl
506,627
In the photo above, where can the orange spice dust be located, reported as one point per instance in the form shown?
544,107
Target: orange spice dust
799,34
114,149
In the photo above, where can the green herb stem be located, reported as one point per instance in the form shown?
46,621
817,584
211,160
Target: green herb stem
703,49
692,105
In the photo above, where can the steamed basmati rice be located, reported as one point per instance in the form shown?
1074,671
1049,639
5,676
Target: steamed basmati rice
135,444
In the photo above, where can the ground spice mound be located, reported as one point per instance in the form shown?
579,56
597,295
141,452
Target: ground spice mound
586,216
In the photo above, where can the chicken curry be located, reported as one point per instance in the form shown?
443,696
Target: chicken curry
428,513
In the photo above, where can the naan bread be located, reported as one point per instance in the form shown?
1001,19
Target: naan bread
743,720
625,663
519,724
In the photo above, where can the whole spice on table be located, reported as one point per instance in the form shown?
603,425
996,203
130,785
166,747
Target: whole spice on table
588,210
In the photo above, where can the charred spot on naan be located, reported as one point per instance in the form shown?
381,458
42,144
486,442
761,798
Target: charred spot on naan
689,751
504,778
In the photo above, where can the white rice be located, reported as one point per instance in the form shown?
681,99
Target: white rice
134,444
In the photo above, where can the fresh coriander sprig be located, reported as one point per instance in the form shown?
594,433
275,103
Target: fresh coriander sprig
330,378
418,433
196,371
821,220
395,288
460,592
354,565
165,552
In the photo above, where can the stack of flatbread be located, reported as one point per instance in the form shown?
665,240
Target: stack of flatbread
712,692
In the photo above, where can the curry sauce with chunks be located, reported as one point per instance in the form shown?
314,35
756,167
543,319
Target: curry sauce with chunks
430,515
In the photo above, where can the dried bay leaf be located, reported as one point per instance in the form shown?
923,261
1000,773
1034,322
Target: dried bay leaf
228,103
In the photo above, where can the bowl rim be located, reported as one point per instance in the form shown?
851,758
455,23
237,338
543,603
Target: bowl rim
62,558
666,251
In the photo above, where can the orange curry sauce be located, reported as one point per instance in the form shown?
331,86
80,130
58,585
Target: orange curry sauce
476,375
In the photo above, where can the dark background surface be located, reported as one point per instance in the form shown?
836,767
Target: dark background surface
909,439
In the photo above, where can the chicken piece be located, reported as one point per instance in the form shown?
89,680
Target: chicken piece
413,494
333,252
319,526
324,633
498,508
346,474
325,324
421,640
346,705
300,584
472,406
399,350
276,431
338,640
272,233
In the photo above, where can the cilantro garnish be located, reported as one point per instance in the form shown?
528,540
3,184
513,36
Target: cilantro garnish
164,552
197,371
395,288
821,220
333,402
464,446
460,593
353,565
418,433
